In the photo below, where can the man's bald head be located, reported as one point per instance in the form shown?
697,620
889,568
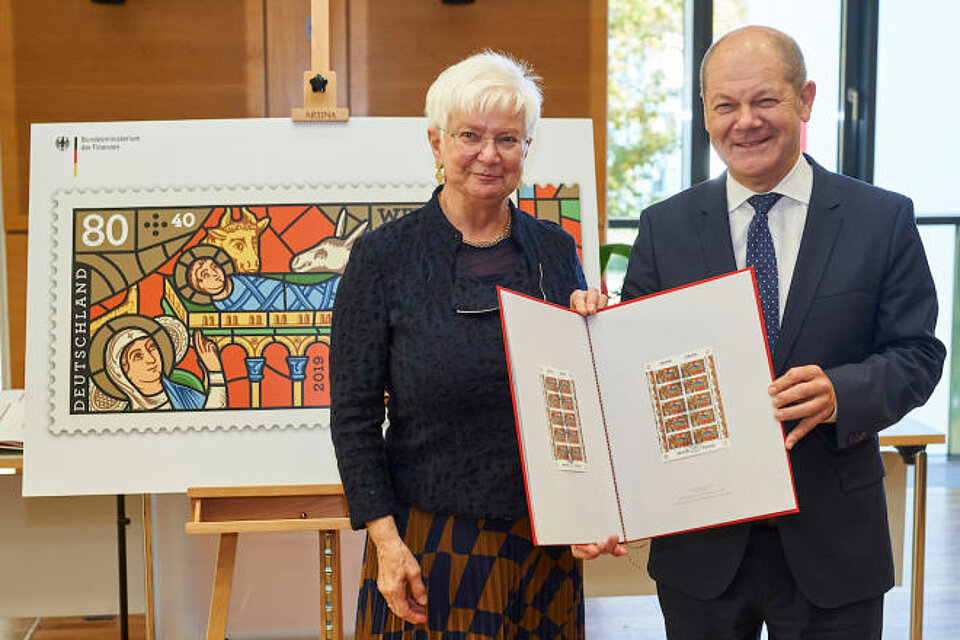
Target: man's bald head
794,68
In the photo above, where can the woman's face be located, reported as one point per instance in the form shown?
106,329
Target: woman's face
491,171
141,363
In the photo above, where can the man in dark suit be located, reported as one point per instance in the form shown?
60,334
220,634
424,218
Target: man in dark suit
849,309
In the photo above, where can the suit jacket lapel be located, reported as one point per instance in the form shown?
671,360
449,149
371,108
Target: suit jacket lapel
819,234
715,241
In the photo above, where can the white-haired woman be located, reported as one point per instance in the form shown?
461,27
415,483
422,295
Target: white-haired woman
449,548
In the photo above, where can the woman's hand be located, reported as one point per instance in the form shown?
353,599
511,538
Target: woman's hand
588,302
398,573
207,352
590,551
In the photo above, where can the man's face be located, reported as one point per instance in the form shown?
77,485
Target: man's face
753,115
206,276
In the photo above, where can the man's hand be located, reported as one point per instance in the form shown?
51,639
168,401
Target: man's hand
591,551
588,302
398,573
805,394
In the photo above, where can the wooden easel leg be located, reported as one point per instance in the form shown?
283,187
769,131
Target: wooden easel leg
222,581
148,567
331,609
336,584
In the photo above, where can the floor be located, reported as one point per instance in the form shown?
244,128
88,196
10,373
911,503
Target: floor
73,628
638,618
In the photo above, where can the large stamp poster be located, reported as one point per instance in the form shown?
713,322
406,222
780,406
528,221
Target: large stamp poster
182,277
214,304
204,303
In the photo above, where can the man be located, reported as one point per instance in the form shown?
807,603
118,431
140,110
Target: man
849,309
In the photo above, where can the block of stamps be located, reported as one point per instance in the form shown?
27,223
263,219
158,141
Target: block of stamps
687,406
563,415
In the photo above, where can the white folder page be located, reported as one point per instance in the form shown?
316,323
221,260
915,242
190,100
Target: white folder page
569,503
743,472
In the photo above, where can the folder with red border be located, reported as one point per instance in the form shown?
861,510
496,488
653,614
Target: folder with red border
633,451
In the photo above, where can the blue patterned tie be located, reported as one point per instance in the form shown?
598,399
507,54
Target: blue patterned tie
763,259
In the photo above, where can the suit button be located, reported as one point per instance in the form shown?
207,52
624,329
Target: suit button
857,436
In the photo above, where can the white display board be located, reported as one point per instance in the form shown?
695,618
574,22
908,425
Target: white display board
140,164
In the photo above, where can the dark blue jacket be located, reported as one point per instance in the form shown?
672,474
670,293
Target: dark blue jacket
862,306
407,322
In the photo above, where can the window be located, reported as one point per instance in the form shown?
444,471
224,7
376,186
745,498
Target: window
645,114
915,134
915,146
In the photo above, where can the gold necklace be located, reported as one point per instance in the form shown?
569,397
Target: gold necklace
486,244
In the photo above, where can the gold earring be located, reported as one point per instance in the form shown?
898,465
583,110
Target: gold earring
438,174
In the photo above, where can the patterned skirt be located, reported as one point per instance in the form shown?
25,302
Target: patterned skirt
484,579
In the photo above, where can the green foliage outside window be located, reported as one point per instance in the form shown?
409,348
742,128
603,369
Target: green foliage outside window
645,43
645,98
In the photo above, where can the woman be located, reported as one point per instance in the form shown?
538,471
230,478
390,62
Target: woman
416,317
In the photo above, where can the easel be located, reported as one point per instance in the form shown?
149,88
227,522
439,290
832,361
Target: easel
230,511
320,83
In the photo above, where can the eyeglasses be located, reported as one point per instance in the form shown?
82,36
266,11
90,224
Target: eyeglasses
471,143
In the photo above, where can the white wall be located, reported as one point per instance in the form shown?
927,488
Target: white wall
917,136
917,133
59,558
59,555
275,584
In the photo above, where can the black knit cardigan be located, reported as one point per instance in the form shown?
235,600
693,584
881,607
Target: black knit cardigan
408,322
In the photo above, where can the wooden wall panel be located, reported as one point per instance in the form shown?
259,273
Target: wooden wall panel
339,48
597,57
82,61
287,54
16,246
397,49
10,184
254,63
408,43
79,61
